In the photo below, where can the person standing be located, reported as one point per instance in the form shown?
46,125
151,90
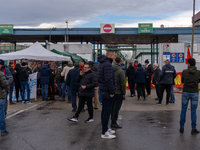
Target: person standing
51,88
135,65
11,84
167,76
58,78
140,78
23,78
107,86
119,93
71,81
81,65
190,80
17,82
88,81
149,71
3,94
64,84
44,81
37,69
156,82
131,80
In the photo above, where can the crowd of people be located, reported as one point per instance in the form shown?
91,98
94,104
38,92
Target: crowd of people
104,83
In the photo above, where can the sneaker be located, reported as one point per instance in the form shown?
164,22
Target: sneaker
29,102
181,130
115,126
73,119
4,133
159,103
194,131
12,103
95,108
148,95
111,131
89,120
107,135
23,102
171,101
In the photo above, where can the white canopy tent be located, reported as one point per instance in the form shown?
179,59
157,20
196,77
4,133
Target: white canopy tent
34,52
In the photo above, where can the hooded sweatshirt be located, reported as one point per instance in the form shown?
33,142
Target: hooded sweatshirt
191,79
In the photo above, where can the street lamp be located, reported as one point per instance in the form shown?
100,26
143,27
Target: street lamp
193,28
66,36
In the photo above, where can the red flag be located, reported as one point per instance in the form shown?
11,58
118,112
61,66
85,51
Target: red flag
188,56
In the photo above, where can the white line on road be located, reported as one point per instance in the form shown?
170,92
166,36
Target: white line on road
23,110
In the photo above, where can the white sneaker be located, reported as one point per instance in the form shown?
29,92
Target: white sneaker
107,135
23,102
111,131
89,120
29,102
73,119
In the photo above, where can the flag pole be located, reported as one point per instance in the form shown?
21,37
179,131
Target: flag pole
193,28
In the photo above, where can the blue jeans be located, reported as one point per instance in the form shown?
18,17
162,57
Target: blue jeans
25,85
73,92
2,115
44,87
193,97
100,98
63,89
69,93
172,97
59,88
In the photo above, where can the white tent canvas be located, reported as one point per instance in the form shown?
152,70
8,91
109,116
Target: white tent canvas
34,52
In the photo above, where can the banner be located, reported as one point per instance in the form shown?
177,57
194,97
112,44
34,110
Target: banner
32,81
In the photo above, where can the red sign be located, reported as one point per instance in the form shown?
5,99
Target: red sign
173,55
107,28
167,45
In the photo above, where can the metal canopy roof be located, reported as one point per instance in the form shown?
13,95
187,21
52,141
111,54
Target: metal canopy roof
121,35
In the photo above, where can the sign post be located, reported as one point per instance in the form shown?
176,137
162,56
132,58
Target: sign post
145,27
107,28
6,28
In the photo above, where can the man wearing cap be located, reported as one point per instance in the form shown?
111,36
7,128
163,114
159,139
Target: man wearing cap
149,71
23,78
167,76
190,79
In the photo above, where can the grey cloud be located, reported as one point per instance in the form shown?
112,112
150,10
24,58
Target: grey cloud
35,12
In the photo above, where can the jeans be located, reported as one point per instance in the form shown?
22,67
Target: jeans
193,97
100,98
82,100
69,93
116,107
59,88
73,92
107,104
2,115
63,89
44,87
172,97
25,85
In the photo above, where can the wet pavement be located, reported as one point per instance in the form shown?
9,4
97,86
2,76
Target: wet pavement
146,126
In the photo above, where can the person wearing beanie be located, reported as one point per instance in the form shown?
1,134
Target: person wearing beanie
140,78
23,78
190,80
135,65
149,71
131,80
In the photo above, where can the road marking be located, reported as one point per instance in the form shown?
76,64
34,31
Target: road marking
23,110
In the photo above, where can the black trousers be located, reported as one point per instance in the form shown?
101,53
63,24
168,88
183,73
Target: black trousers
148,85
17,88
168,90
140,90
51,87
116,107
132,86
11,91
82,100
157,90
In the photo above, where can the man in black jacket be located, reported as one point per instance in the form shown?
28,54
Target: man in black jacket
149,71
88,81
156,82
131,79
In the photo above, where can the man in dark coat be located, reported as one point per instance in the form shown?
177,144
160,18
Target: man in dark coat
156,82
23,78
88,81
167,76
71,81
37,69
149,71
44,80
17,82
107,86
140,78
51,83
131,80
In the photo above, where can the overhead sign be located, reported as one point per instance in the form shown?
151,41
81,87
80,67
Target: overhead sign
166,55
6,28
177,57
107,28
145,27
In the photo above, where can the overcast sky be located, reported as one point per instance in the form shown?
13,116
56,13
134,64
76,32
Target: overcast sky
90,13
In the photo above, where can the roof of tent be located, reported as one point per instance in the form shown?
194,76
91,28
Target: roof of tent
34,52
74,58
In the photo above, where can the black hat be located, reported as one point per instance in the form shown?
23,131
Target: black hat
139,65
192,61
1,62
24,64
147,61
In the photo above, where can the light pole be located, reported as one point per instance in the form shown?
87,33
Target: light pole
66,36
193,28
